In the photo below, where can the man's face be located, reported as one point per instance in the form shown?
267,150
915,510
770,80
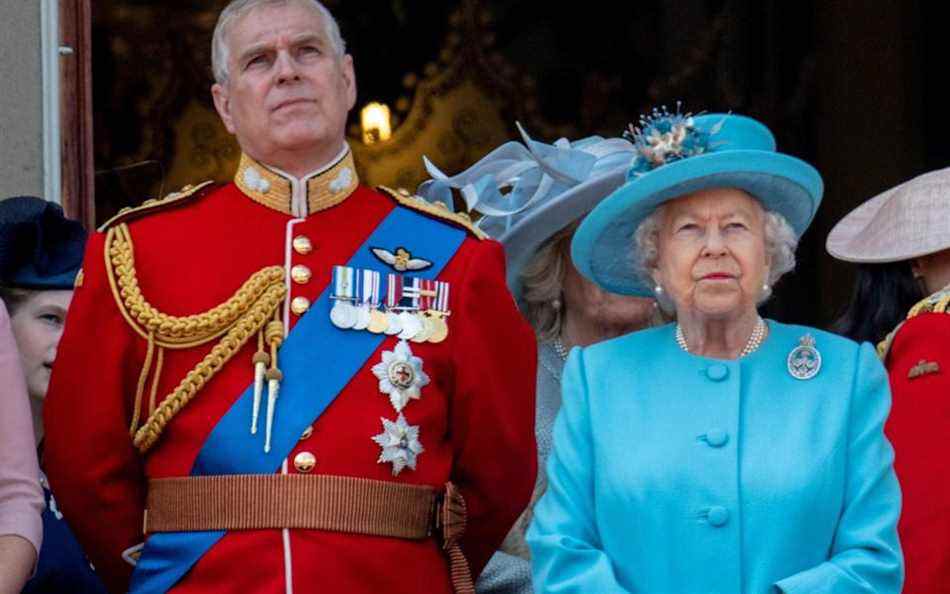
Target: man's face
287,90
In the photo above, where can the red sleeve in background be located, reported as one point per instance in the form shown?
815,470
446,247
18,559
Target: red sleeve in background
493,405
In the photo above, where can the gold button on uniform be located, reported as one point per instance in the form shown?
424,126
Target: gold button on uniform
307,433
304,462
302,245
301,274
300,305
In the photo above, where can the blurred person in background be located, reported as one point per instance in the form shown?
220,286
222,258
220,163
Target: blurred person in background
532,197
901,241
40,258
21,500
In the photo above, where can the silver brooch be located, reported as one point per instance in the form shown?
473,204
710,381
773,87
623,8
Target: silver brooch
804,362
400,375
400,444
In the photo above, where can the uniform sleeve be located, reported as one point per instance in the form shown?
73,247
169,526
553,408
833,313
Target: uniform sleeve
21,500
566,552
866,555
95,473
492,416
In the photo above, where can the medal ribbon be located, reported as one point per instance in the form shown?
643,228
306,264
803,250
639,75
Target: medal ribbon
370,290
393,290
426,294
410,294
343,282
442,297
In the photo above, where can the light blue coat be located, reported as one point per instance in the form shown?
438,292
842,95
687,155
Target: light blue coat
679,474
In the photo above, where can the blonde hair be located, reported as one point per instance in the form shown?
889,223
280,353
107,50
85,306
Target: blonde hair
542,280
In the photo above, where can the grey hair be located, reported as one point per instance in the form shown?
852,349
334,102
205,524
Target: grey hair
780,245
220,52
542,280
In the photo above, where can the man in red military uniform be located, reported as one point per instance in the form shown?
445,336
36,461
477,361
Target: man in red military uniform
908,224
291,383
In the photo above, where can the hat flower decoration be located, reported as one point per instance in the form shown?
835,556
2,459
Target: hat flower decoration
661,137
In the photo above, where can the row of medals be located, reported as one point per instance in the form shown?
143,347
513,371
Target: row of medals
416,326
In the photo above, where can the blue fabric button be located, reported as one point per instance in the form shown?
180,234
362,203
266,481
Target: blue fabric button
717,372
717,438
718,516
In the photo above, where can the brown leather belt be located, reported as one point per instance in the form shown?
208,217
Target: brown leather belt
313,502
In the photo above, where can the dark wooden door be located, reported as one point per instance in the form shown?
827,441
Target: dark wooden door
78,172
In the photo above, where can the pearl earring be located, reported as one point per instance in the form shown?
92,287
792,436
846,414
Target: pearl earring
658,290
556,304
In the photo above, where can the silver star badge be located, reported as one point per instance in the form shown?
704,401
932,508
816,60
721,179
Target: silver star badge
400,443
400,375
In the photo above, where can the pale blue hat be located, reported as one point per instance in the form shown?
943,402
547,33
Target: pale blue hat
679,154
528,192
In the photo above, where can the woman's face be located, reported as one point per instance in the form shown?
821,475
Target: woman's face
934,270
37,326
612,314
711,253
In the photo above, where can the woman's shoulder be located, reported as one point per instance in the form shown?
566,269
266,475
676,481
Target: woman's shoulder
830,340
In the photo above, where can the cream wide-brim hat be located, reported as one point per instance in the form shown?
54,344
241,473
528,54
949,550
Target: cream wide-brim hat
905,222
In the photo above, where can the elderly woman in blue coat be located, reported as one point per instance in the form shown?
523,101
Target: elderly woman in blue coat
737,455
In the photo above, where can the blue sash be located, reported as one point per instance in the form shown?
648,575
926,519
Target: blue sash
231,449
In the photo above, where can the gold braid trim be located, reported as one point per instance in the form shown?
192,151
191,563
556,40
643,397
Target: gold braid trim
230,344
437,210
936,303
156,204
237,319
939,302
170,331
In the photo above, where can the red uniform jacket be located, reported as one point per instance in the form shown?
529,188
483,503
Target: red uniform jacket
476,416
918,363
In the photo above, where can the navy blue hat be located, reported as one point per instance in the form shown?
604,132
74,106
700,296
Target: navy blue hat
39,247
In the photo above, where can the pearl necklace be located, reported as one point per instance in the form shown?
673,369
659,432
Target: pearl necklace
755,340
559,349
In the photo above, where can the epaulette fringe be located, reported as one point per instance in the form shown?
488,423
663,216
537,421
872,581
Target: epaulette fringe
154,205
436,209
939,302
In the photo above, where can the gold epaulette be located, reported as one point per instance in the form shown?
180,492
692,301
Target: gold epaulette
939,302
155,204
436,209
936,303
